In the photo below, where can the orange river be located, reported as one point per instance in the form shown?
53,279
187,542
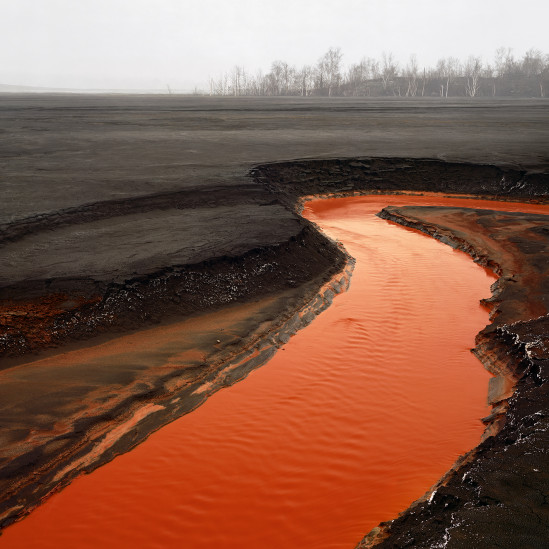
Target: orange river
356,417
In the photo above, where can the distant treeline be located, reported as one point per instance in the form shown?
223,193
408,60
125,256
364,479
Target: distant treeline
504,77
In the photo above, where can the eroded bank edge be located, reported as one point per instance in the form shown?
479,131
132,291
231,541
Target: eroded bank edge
80,309
174,292
375,176
290,180
178,395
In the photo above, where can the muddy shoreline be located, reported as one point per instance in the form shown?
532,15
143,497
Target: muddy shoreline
44,314
215,264
494,496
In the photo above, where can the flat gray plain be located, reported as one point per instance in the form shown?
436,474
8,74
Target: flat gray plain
61,151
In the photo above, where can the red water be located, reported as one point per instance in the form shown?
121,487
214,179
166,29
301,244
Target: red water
354,419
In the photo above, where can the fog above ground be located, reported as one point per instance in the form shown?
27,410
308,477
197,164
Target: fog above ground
150,44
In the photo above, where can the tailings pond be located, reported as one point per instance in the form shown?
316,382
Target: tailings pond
356,417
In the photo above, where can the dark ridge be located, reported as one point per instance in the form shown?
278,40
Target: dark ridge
174,292
348,175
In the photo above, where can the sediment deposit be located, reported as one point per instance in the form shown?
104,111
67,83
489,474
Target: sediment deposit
160,181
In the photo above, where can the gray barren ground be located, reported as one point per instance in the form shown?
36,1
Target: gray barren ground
64,151
118,212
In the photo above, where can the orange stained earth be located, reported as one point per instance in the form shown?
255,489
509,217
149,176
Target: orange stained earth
15,315
356,417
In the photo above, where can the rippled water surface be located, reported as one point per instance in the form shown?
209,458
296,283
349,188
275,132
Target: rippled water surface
354,419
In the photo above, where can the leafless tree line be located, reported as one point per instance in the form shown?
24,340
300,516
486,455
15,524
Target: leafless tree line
450,77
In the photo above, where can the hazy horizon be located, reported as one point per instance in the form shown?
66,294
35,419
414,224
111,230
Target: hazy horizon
153,44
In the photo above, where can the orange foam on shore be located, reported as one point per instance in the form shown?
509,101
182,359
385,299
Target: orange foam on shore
356,417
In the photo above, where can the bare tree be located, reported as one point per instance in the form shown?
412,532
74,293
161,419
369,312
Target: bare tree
506,66
487,74
356,75
329,69
447,70
220,86
424,82
534,65
238,80
257,84
306,80
506,76
544,75
359,74
280,80
472,71
287,74
276,77
501,63
389,70
374,68
411,73
501,60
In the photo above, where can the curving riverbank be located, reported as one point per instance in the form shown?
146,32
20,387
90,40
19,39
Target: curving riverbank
493,496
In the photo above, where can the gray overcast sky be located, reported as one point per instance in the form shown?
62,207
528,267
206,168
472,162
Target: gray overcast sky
152,43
